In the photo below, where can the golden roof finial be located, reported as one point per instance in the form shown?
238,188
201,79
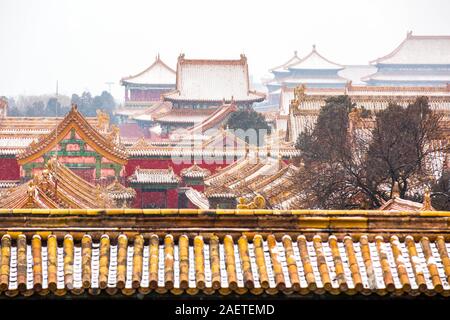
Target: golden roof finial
102,120
299,95
427,200
258,203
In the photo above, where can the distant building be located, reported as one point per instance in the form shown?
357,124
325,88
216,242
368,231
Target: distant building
148,86
313,71
417,61
201,84
372,98
143,91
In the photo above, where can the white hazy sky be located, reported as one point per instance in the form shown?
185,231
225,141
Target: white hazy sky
84,44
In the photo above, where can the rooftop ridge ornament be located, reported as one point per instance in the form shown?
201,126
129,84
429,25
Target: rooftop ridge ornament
102,120
299,95
258,203
427,200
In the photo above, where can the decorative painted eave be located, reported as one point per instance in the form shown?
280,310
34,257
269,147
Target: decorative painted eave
74,120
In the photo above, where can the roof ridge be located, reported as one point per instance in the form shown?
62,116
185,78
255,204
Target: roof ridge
241,61
74,116
157,61
314,51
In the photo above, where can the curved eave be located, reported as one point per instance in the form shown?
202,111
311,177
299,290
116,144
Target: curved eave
27,157
158,60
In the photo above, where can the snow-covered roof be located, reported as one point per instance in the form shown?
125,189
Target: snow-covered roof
311,80
443,76
283,68
419,50
197,198
157,73
315,61
154,176
355,73
213,80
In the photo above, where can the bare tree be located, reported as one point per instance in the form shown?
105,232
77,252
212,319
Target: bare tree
353,163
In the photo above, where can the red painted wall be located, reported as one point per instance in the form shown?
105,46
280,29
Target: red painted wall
160,199
147,95
9,169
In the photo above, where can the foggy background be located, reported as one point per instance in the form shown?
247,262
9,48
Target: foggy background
84,44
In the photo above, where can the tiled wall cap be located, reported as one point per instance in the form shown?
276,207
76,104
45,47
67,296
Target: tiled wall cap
301,237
